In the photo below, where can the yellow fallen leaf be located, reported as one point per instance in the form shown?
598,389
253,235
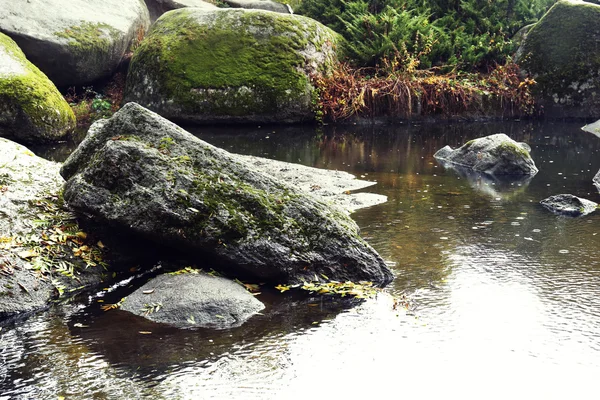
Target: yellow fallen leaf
81,235
25,254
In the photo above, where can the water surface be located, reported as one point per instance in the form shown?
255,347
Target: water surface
504,296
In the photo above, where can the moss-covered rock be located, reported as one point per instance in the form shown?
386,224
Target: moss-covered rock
562,53
141,174
75,42
493,155
31,108
231,65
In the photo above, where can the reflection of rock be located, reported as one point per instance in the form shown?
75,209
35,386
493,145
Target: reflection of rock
144,346
593,128
501,186
569,205
495,155
193,300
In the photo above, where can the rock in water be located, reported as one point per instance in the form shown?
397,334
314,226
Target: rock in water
495,155
593,128
74,42
32,110
596,180
561,52
139,172
193,300
569,205
231,65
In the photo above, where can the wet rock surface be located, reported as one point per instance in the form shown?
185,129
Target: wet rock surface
191,300
494,155
141,173
569,205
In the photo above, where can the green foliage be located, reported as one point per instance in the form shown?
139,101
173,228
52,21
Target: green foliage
406,34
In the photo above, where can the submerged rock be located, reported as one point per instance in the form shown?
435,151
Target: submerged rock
31,107
561,52
74,42
193,300
141,173
231,65
495,155
28,279
569,205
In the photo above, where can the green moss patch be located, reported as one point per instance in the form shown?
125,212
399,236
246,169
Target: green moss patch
48,114
229,62
89,37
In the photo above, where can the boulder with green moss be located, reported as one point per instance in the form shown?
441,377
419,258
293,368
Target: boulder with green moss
494,155
75,42
31,108
139,173
562,53
231,65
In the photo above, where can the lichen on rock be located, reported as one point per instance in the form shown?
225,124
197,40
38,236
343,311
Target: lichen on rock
231,65
31,107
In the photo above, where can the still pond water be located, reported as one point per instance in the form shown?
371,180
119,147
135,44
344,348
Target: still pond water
504,296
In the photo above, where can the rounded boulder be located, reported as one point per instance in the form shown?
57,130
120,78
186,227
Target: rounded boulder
231,65
75,42
32,110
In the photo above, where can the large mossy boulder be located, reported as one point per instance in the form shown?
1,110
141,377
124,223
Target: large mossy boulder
75,42
142,174
494,155
193,299
231,65
31,107
562,53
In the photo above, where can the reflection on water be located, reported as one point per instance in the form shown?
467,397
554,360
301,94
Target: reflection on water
505,296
